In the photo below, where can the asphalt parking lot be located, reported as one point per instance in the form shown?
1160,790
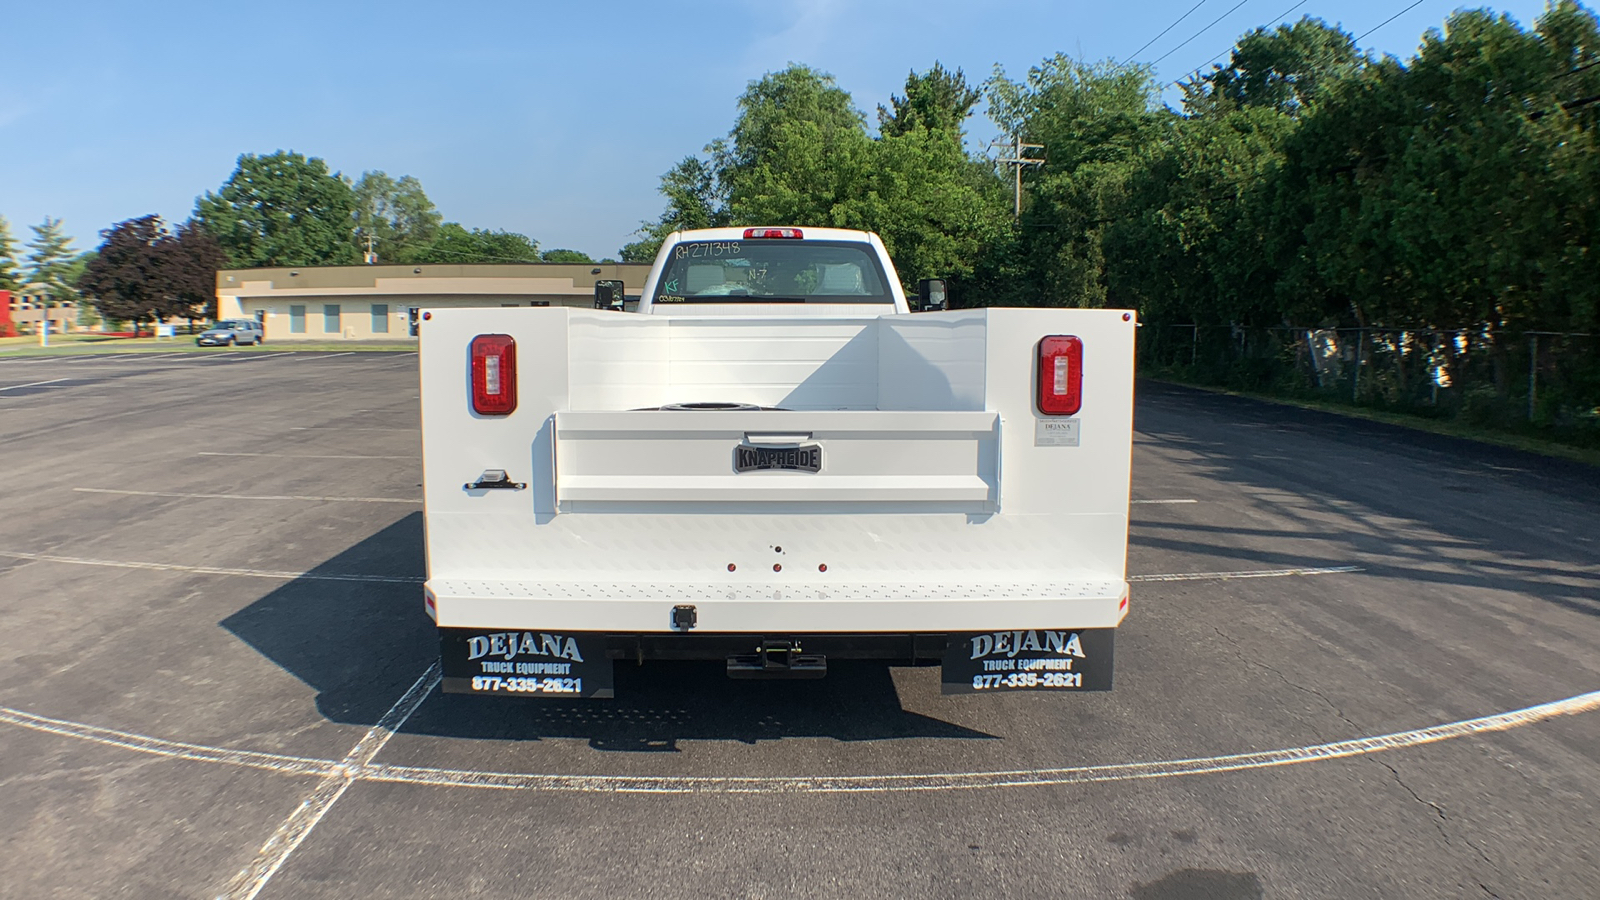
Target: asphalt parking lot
215,680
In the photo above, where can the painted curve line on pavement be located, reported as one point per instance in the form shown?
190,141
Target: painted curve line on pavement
127,740
365,770
1256,573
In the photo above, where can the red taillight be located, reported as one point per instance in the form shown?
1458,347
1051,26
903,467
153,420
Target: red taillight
751,234
1060,375
494,374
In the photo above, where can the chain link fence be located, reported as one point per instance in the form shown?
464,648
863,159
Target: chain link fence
1536,382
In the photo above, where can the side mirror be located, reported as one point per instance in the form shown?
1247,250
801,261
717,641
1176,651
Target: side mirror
931,294
608,294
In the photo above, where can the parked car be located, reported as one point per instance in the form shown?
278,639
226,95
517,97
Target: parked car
231,331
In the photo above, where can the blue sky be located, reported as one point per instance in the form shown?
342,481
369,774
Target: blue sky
555,120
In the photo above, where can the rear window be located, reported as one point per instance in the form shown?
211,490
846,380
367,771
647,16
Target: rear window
772,271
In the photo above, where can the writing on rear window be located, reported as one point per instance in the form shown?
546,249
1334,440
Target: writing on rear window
767,271
707,248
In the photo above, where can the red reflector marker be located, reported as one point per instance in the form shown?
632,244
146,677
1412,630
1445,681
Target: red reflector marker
494,374
1060,375
751,234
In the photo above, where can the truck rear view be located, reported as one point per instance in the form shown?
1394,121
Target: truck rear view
773,465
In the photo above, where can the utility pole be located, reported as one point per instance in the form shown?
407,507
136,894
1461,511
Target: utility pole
1017,160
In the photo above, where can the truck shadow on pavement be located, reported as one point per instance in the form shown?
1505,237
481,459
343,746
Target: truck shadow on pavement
659,704
361,644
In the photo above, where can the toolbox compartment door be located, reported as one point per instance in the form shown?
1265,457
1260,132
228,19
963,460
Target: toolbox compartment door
934,461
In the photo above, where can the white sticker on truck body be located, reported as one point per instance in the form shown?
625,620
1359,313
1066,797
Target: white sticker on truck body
1055,432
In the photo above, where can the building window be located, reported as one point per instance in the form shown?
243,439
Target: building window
297,320
330,318
380,318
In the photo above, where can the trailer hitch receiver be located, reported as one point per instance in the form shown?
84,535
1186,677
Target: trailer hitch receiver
777,658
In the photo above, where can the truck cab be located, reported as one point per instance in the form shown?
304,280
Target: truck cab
772,464
773,271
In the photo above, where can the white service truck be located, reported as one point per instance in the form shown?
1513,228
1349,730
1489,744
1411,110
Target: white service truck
774,463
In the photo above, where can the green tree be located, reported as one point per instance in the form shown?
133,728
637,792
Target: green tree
1095,120
937,100
938,210
798,150
282,209
394,218
1184,244
1449,192
50,259
1286,69
696,198
10,269
1082,112
795,153
565,256
799,153
456,244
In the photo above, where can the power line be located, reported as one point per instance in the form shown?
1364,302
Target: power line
1577,70
1388,20
1165,30
1278,19
1204,30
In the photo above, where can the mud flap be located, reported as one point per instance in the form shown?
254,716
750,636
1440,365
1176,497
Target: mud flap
525,663
996,662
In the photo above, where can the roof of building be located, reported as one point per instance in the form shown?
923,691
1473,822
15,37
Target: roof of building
497,277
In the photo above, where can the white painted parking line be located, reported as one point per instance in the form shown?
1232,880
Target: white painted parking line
212,570
343,427
140,357
1163,501
332,355
186,496
16,387
302,455
358,766
295,829
1257,573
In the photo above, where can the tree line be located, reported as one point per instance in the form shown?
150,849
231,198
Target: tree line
51,267
1303,182
277,209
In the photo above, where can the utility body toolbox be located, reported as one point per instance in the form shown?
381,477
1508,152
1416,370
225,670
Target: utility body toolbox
773,463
